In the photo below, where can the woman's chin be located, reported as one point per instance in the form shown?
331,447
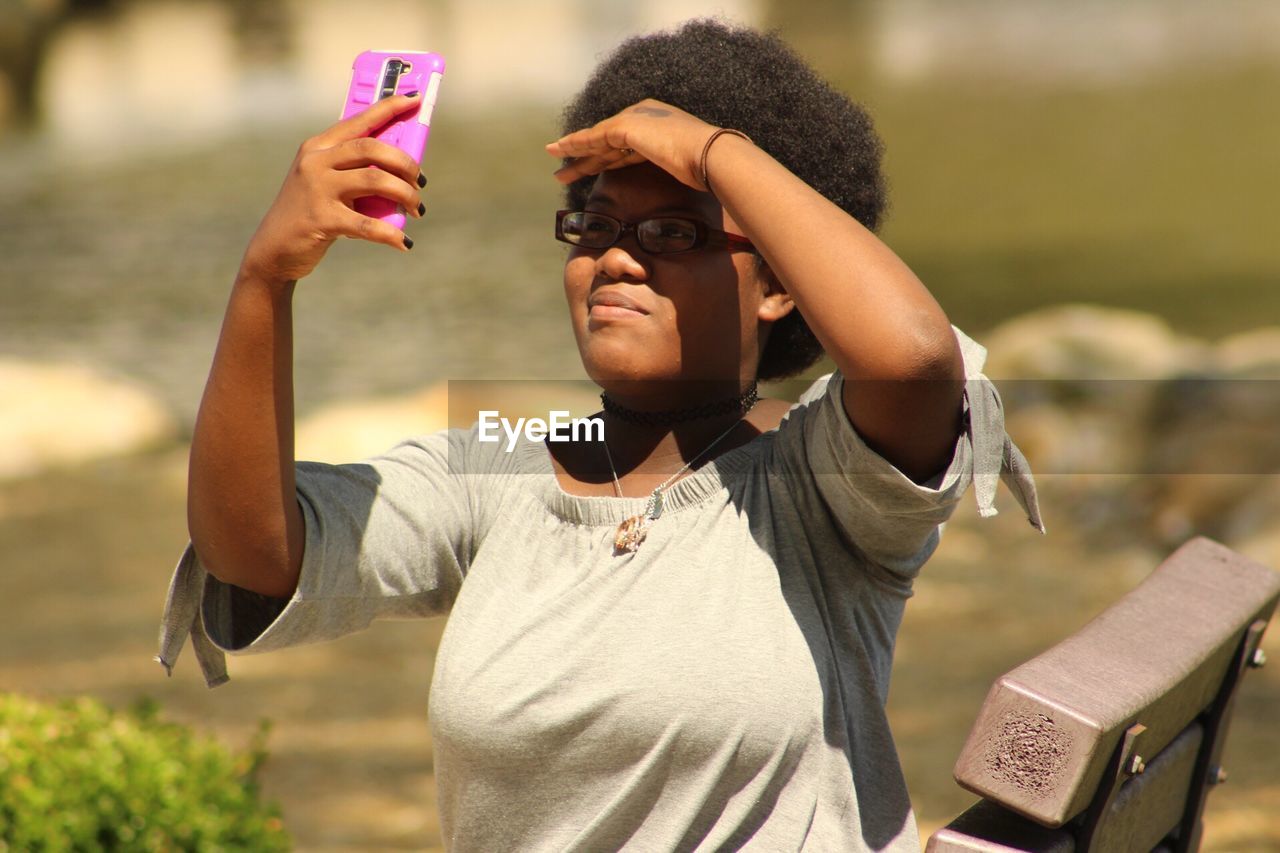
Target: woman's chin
621,369
619,377
607,355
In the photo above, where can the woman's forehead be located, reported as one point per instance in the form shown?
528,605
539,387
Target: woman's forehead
645,187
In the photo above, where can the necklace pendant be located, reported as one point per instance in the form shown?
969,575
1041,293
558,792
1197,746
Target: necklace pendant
631,533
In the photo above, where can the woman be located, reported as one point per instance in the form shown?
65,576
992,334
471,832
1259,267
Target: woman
679,637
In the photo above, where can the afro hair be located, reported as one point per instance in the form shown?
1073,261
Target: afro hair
751,81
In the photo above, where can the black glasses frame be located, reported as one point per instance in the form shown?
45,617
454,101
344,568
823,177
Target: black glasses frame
705,237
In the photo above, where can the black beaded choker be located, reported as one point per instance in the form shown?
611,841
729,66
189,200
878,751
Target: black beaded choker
739,405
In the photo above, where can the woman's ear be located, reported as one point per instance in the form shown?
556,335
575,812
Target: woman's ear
776,303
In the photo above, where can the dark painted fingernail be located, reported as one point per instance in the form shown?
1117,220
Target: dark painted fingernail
412,94
422,180
422,208
408,244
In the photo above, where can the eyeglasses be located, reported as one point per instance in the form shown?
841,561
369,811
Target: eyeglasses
663,235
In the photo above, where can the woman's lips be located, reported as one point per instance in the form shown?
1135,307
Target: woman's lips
611,305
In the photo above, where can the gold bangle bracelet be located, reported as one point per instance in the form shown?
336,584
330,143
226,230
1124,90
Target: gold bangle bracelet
706,149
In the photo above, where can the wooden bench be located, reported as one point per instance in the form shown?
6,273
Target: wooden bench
1111,740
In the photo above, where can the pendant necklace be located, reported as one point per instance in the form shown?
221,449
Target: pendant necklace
632,531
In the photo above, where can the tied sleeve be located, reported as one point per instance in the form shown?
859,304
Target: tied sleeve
893,520
387,538
182,619
995,456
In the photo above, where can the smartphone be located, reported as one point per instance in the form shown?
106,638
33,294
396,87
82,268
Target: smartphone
378,74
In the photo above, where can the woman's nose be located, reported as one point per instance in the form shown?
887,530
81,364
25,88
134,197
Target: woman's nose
620,262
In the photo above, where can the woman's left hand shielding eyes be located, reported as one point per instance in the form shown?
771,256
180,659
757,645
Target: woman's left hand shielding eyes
664,135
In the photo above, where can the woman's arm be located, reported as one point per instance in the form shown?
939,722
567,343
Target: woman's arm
877,322
242,510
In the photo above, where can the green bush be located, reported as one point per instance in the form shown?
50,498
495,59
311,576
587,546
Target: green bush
80,776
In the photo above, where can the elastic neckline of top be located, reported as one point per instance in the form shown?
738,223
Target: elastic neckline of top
692,489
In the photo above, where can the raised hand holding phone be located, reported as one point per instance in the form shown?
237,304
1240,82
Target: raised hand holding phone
242,506
331,192
315,204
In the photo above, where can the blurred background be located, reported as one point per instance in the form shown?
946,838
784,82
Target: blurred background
1090,188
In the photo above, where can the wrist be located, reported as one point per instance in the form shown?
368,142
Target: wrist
719,133
277,286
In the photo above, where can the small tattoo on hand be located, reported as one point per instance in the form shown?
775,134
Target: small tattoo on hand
652,111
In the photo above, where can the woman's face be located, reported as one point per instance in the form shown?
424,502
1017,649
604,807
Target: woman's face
695,315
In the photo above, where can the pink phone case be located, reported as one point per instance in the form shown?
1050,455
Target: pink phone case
409,132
